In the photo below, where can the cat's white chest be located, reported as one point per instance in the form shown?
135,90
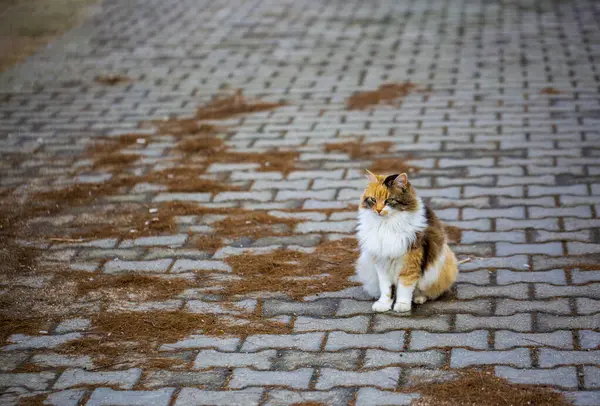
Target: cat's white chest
388,236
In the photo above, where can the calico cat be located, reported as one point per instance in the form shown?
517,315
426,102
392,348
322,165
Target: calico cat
402,244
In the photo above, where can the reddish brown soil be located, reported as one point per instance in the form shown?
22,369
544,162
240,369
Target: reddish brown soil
360,150
480,387
112,80
296,274
386,94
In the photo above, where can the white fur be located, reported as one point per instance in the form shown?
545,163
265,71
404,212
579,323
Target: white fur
383,241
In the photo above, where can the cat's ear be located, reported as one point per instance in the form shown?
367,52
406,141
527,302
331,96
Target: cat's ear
396,180
402,180
371,176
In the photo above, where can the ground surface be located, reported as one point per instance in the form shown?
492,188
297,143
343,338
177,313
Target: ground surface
501,132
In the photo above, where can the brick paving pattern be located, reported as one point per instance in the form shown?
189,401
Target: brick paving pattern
514,165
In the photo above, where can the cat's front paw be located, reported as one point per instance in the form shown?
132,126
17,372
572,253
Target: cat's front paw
402,307
380,306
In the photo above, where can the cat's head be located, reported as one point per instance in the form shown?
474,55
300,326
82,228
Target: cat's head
389,194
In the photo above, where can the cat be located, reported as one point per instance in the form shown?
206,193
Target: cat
402,245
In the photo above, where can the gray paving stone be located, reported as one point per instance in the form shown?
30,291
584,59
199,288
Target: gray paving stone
420,340
182,197
518,357
550,358
124,379
591,377
207,379
543,290
555,276
508,339
196,397
506,307
29,380
584,398
59,360
200,341
587,306
564,377
385,378
210,358
325,307
516,291
290,360
477,306
581,276
349,307
336,397
109,397
550,322
376,397
433,323
589,339
380,358
69,397
549,248
357,324
24,342
475,277
298,379
154,266
10,361
517,322
304,342
393,340
326,227
166,240
71,325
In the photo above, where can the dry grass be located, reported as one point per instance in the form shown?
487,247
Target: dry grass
143,287
388,93
480,387
360,150
254,224
296,274
26,26
391,165
550,90
229,106
112,80
209,243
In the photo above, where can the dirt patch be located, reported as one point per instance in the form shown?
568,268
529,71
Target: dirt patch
115,160
142,333
360,150
550,90
391,165
388,93
294,273
35,400
142,287
254,224
454,233
480,387
222,107
209,243
112,80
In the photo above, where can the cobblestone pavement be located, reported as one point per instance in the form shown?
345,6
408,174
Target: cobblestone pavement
505,139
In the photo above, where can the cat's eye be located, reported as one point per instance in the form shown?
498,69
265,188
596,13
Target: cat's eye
393,202
369,202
